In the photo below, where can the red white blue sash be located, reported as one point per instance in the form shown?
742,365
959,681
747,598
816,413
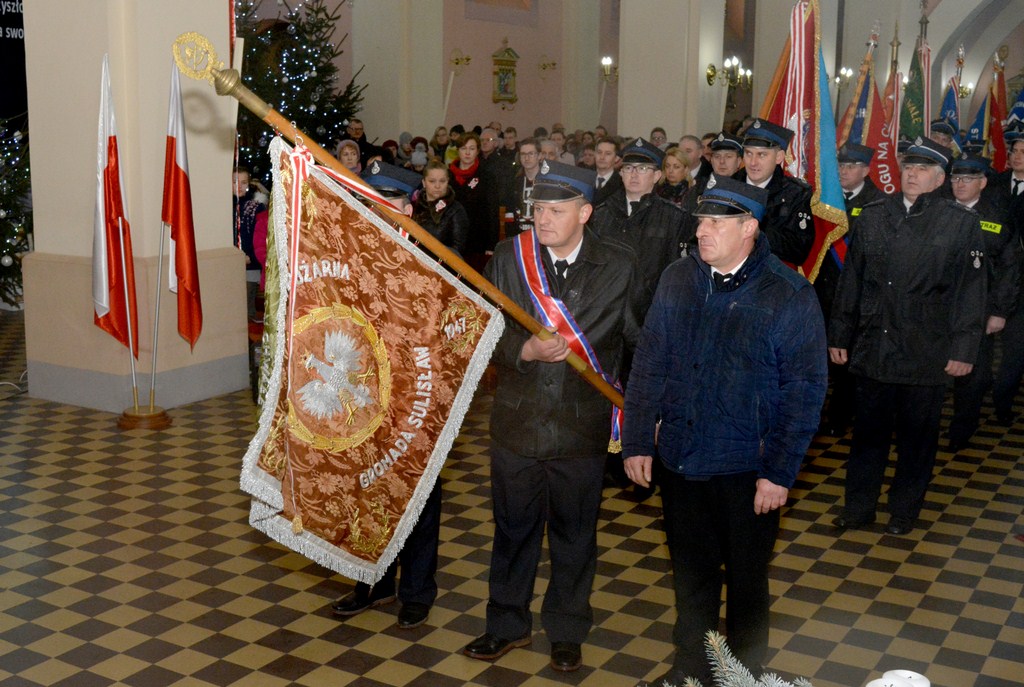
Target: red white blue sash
552,312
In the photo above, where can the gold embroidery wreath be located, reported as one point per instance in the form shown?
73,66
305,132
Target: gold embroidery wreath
318,441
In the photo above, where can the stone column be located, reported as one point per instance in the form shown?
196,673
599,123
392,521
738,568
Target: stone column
664,48
398,45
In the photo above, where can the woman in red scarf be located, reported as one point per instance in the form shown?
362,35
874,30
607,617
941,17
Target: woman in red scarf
477,190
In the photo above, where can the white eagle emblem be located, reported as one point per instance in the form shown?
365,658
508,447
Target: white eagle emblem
340,387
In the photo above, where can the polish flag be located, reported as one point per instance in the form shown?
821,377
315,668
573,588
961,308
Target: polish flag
113,272
183,271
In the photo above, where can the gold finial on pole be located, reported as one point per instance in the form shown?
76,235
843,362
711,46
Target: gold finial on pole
195,56
894,60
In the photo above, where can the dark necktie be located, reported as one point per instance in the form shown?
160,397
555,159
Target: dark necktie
1017,184
600,182
848,194
633,205
722,279
561,268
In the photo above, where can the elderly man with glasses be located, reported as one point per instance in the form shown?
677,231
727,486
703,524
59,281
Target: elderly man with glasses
908,315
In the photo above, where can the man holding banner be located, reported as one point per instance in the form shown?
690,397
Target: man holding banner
550,428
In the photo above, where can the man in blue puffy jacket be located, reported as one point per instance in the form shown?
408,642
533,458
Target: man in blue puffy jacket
726,389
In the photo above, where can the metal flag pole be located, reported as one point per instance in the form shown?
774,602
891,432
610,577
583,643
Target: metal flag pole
196,59
128,310
155,417
156,316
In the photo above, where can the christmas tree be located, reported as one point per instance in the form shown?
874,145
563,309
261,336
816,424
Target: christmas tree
15,210
289,63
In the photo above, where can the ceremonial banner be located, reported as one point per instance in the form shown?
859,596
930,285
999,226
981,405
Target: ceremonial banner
950,111
891,100
978,133
915,112
379,350
113,270
799,100
183,271
996,143
864,123
1016,114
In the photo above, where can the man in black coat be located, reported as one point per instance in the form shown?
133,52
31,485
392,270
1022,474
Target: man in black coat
1003,255
500,167
1008,188
787,222
521,188
907,316
606,162
549,428
652,226
859,190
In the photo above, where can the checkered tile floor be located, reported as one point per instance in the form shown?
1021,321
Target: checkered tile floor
126,559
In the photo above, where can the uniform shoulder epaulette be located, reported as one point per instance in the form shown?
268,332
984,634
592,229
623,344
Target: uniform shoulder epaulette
799,181
964,208
787,274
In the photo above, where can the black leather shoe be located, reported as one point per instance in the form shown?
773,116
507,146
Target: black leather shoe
1004,419
845,522
412,615
488,647
362,598
957,444
566,656
899,526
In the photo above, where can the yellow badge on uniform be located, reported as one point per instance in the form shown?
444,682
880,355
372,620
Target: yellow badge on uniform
994,227
856,211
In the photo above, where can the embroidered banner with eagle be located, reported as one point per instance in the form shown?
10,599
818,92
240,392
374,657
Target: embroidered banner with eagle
376,351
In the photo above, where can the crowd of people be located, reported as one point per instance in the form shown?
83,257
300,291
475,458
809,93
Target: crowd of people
674,266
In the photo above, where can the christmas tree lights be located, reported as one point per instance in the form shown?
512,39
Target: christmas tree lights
289,63
15,210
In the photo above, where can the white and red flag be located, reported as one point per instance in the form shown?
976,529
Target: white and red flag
183,271
113,274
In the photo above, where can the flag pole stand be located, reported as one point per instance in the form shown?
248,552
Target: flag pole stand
136,417
153,416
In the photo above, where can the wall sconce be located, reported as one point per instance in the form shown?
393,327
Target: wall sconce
609,73
732,75
843,78
459,61
966,91
545,65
